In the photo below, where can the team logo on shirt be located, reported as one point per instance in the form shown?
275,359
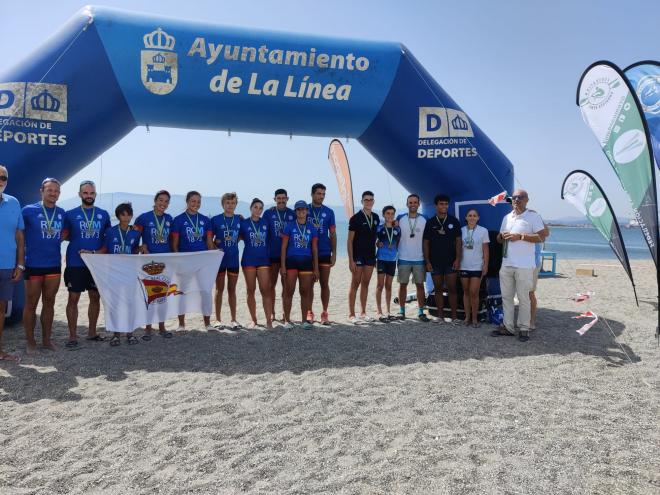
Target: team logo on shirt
159,64
156,287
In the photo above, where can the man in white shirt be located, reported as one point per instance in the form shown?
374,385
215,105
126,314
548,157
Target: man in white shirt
411,257
520,231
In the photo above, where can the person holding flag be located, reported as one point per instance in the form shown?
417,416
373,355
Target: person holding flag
154,227
256,263
84,228
226,228
323,219
192,232
43,258
299,262
122,239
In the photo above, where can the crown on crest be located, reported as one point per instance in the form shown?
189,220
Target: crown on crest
158,59
159,40
153,268
459,124
45,101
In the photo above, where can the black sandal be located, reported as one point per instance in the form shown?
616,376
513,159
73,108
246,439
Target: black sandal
71,344
501,332
146,337
165,334
96,338
132,340
114,341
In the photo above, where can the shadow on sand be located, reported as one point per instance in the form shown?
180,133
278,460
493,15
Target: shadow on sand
54,375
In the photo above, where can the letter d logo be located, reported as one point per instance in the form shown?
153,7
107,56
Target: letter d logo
433,122
6,99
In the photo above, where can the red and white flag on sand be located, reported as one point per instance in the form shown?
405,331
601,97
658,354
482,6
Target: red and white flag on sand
587,314
581,296
498,198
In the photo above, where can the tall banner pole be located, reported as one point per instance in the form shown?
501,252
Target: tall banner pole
339,164
583,191
645,78
611,109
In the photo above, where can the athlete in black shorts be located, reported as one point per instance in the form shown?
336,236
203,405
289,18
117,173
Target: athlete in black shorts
361,255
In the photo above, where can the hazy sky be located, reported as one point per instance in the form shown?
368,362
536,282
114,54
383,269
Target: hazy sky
513,66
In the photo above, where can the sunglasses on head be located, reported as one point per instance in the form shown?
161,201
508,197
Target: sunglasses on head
3,178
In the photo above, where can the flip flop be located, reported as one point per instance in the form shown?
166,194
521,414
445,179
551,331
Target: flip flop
146,337
71,344
165,334
10,358
96,338
501,333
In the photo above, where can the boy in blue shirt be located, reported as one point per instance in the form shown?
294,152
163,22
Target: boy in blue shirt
122,239
387,241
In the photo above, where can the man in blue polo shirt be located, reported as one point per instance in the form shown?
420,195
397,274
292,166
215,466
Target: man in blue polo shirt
84,228
12,255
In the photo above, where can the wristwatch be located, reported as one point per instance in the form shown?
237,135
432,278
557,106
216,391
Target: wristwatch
21,267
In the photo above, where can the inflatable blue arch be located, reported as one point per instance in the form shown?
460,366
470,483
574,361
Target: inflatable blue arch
108,71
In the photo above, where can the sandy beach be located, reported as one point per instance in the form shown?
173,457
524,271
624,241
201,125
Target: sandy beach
405,407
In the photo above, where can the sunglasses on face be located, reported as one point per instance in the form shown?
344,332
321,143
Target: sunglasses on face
518,197
3,178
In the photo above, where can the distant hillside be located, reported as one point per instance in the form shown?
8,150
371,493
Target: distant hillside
144,202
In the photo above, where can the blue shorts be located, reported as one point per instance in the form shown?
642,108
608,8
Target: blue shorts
386,267
224,268
6,286
300,264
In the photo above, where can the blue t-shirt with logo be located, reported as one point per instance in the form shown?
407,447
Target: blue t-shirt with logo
86,228
323,218
155,231
300,239
277,220
255,238
387,240
43,235
191,231
226,231
119,242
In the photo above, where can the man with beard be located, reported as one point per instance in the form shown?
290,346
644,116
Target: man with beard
278,217
84,228
11,252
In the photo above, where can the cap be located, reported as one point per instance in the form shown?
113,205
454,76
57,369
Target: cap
300,204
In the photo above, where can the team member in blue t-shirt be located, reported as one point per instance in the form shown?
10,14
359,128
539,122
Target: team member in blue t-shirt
191,232
154,227
44,222
300,262
84,228
122,239
278,216
323,219
226,229
255,262
387,241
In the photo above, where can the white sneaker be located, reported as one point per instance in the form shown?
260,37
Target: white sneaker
210,328
219,326
288,325
355,320
180,329
367,319
234,325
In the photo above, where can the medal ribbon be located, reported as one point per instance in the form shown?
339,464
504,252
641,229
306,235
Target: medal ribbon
317,217
195,224
49,222
256,231
89,221
229,227
370,220
442,224
412,225
302,233
390,236
122,238
160,228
